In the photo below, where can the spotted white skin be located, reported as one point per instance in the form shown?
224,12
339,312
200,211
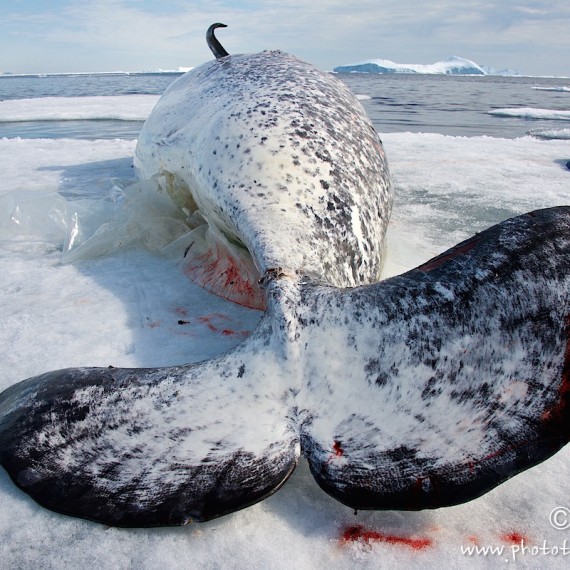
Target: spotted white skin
279,156
424,390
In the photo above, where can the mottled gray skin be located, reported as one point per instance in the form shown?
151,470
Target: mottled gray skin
424,390
457,373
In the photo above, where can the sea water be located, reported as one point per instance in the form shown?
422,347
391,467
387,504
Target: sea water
450,105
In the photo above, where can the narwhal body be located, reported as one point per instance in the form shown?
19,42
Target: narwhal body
420,391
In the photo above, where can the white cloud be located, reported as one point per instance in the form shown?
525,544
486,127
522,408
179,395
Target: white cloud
107,34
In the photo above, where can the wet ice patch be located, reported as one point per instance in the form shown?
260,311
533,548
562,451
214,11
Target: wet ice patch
138,215
529,113
118,108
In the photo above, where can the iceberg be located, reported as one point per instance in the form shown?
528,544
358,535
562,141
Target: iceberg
451,66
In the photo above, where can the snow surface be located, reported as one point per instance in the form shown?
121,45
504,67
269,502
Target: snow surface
119,108
537,115
559,88
550,133
134,308
180,69
530,113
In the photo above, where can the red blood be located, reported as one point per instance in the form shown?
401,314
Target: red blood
473,540
513,538
208,321
338,451
358,533
418,484
557,412
219,272
220,316
454,252
497,453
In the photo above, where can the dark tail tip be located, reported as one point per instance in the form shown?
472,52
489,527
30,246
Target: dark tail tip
213,43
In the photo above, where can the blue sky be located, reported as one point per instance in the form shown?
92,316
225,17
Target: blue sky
41,36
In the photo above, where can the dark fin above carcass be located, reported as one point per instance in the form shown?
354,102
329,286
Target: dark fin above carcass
213,43
457,375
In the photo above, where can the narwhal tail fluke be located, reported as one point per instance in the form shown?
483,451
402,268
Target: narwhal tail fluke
448,379
147,447
424,390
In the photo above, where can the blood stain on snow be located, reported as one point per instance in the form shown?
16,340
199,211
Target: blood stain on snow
357,533
207,320
210,322
514,537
